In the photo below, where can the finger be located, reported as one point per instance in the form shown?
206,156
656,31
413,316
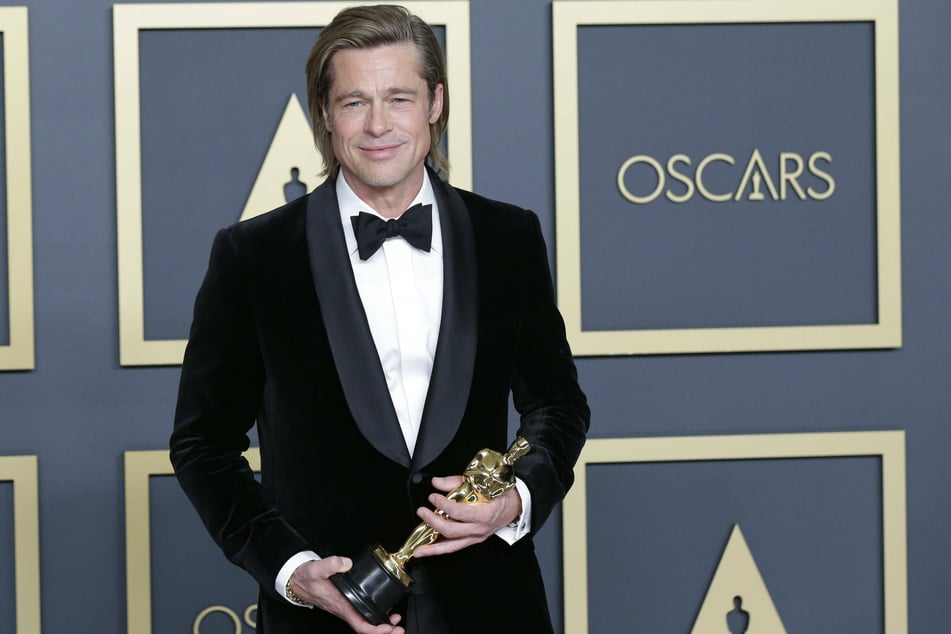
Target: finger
453,509
470,513
447,483
447,528
335,564
385,628
363,627
452,529
444,547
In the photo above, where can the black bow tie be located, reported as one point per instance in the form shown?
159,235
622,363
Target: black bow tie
415,226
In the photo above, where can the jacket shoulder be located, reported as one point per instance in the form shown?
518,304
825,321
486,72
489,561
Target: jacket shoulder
271,236
279,221
489,214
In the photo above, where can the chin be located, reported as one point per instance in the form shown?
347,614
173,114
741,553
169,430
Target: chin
381,178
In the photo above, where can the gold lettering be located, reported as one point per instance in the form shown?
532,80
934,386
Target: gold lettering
786,176
706,193
825,156
756,162
253,608
640,158
755,176
211,609
679,176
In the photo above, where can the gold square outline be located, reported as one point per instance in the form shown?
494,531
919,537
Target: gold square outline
139,467
19,353
129,19
889,445
22,471
567,15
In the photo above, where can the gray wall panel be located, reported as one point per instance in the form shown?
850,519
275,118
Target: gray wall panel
7,585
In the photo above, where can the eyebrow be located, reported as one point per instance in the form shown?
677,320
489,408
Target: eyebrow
396,90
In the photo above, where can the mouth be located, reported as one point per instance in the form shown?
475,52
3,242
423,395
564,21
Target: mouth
380,151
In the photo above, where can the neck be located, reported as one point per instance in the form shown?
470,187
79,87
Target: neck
390,201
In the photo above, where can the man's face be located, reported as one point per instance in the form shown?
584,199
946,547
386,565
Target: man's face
378,117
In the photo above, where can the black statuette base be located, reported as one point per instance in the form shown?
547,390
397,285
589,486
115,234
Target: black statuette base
370,588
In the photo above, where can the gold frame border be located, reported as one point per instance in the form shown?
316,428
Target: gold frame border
129,19
22,471
889,445
886,333
19,353
139,467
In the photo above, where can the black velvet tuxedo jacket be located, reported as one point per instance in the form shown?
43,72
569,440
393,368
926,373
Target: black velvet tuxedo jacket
280,338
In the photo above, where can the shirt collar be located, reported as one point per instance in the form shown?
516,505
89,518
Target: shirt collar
350,205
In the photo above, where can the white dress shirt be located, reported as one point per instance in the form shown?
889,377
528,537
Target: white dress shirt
401,288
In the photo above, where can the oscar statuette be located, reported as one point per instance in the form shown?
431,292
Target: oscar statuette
378,579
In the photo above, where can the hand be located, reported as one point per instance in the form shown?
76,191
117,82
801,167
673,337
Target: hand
469,523
310,581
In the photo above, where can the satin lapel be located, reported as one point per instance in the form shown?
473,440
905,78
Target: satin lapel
351,343
456,346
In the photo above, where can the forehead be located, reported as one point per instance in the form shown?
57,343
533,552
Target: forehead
379,67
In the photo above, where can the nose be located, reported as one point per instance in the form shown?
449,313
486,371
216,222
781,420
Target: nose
377,122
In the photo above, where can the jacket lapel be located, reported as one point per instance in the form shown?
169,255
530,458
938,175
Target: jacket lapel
348,331
456,347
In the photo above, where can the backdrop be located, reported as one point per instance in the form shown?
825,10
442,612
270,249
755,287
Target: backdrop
210,102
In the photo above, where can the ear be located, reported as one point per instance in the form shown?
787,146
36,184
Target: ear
435,110
327,122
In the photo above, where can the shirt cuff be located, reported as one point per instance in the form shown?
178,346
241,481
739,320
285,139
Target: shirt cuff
284,574
522,525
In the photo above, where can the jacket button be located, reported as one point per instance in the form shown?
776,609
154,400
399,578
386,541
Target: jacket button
417,478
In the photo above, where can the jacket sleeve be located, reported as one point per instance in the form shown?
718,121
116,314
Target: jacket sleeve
218,399
554,411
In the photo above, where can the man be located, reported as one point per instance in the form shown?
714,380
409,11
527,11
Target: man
377,368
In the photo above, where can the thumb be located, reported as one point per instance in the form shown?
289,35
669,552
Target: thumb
338,564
